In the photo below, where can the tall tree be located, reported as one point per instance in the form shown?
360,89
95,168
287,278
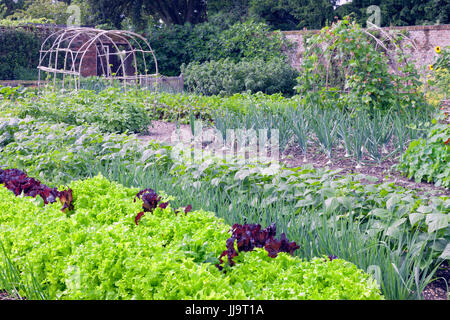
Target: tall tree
315,14
169,11
400,13
294,14
276,13
109,12
231,11
177,11
8,7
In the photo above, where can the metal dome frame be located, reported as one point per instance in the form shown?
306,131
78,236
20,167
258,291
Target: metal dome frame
75,42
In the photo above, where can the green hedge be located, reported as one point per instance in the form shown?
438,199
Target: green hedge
98,252
176,45
19,54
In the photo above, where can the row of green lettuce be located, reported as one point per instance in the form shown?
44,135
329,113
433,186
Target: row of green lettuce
97,251
401,234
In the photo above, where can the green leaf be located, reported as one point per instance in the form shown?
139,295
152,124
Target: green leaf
328,192
436,221
391,202
446,253
415,217
347,202
331,204
305,202
393,230
380,213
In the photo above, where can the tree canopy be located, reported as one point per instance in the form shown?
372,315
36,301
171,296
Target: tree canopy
400,13
278,14
170,12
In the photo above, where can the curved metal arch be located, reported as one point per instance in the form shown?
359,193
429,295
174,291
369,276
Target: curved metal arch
64,40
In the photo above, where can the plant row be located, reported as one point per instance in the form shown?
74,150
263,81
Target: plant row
97,251
301,123
428,159
109,110
391,229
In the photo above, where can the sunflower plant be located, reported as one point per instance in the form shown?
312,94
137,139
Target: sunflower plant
440,71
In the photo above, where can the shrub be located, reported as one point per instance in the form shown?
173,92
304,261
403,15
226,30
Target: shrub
176,45
225,77
56,11
251,40
98,252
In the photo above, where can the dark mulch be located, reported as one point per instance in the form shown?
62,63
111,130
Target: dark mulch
5,296
439,289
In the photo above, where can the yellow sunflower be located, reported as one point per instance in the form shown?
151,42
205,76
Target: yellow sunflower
437,49
430,66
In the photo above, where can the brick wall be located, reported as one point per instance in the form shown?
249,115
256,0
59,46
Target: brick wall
425,39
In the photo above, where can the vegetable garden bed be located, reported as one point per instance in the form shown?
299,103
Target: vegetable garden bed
101,250
374,226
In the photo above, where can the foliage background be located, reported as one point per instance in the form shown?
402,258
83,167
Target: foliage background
221,29
19,55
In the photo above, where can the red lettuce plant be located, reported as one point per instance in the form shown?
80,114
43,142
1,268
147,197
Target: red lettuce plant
18,182
249,236
151,202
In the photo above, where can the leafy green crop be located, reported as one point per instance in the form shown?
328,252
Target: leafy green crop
403,233
226,77
61,152
110,110
428,159
97,251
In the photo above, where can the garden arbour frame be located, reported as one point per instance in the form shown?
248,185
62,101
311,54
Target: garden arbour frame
67,51
396,46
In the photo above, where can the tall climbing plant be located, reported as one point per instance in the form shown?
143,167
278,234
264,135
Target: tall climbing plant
359,68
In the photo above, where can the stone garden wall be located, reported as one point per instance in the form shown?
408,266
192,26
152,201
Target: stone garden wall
425,39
